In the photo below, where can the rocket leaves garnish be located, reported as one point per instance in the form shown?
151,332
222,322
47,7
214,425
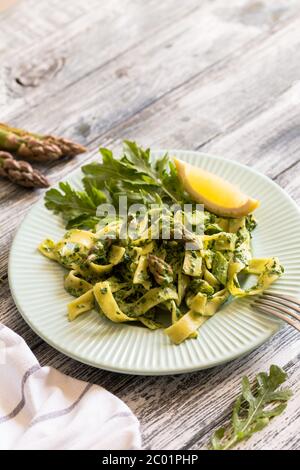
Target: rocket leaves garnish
71,203
134,175
254,408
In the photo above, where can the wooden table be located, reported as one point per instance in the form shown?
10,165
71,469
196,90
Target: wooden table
190,75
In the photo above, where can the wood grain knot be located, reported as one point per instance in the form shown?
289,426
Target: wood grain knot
122,72
34,73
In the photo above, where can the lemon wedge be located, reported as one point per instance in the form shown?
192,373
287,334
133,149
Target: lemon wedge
217,195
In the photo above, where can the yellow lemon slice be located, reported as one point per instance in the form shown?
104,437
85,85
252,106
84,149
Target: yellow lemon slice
217,195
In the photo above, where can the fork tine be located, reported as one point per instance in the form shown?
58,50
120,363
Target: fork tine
281,297
275,304
278,315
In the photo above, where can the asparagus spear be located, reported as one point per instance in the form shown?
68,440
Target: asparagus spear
28,147
37,147
67,147
21,172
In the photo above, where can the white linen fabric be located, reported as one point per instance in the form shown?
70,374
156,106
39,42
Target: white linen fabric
41,408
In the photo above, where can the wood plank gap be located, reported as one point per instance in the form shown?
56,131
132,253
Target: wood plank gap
287,169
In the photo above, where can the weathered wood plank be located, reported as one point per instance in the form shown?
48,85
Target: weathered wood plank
10,316
290,180
176,410
30,23
199,40
46,67
270,140
32,20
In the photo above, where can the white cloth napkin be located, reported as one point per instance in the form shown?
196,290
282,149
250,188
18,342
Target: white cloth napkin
41,408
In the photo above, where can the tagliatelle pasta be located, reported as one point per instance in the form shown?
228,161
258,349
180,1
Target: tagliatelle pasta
150,281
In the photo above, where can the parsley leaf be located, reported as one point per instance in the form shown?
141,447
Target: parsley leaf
254,408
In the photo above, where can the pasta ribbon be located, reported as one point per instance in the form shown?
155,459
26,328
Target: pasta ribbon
115,257
185,327
192,264
215,302
47,248
75,285
82,304
222,241
182,285
107,303
141,274
197,303
151,299
268,270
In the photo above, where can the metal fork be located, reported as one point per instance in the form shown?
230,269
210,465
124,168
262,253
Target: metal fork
281,306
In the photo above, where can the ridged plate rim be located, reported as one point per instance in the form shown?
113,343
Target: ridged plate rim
265,326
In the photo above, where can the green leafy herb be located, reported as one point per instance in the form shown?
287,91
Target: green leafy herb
250,223
254,408
78,208
134,175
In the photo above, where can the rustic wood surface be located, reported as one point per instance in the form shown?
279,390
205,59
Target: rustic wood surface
192,75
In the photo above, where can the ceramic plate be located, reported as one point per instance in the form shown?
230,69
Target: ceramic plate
37,287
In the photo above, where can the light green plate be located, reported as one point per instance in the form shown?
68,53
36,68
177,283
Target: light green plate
37,288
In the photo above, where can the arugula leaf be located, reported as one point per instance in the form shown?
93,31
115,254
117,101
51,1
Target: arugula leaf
78,208
168,176
116,169
72,202
163,173
83,221
93,191
134,175
254,408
